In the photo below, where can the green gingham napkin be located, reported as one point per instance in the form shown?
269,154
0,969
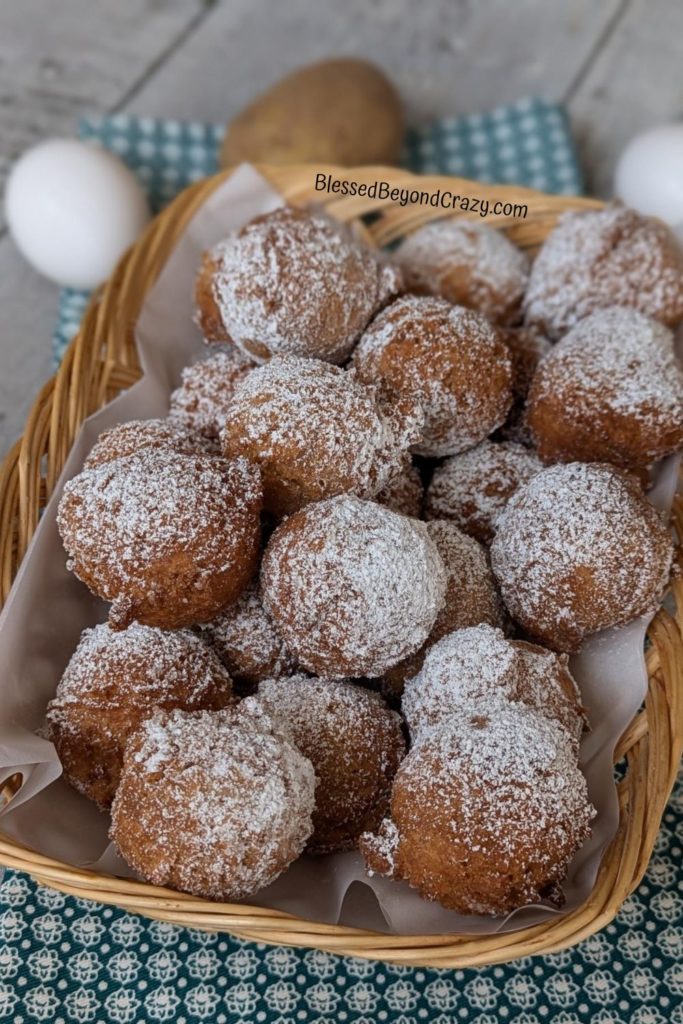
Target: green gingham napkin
64,959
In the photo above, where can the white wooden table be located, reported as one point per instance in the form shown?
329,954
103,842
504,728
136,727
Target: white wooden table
615,63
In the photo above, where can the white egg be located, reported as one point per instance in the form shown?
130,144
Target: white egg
649,174
73,209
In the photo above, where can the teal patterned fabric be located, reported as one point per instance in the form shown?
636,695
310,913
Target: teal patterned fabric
166,156
528,143
70,960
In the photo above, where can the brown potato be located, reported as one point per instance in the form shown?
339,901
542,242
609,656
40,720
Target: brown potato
334,112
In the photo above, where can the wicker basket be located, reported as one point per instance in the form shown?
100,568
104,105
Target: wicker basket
99,363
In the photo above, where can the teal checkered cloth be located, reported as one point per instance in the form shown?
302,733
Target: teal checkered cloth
64,959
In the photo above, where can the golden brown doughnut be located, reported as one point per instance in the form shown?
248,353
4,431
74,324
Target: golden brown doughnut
598,258
353,588
316,431
485,815
579,549
217,804
137,435
468,263
246,641
451,360
292,282
355,745
481,664
202,401
170,539
471,597
473,488
610,391
113,682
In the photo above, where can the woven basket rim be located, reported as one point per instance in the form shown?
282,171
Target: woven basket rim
102,359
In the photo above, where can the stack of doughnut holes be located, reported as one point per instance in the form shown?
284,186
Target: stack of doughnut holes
346,572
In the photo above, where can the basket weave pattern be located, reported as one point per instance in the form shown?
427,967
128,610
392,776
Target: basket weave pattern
100,362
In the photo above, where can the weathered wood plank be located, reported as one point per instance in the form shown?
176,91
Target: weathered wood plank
635,82
447,57
54,66
29,308
58,61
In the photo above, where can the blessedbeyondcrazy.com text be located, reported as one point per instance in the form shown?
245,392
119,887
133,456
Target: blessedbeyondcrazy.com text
444,198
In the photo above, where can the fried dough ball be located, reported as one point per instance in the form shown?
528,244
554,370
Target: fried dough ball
113,682
482,664
487,814
404,493
468,263
138,435
246,641
471,597
170,539
526,348
217,804
599,258
292,282
471,593
353,588
610,391
202,401
473,488
579,549
451,360
316,431
355,745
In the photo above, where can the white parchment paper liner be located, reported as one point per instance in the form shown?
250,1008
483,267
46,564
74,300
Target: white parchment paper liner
48,608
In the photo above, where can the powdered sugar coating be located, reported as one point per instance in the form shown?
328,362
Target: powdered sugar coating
353,587
294,282
404,493
611,390
170,539
217,804
471,597
526,347
471,593
450,359
599,258
137,435
486,814
579,549
481,664
552,688
468,263
380,849
245,639
354,743
114,681
202,401
315,431
473,488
